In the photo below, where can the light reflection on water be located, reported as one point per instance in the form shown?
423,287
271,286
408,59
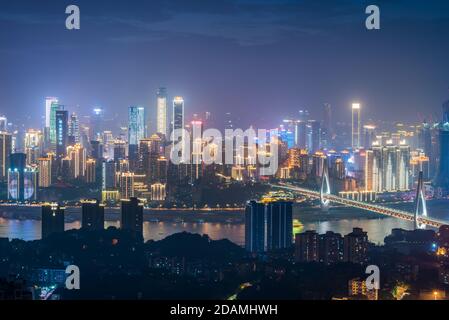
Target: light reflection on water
377,228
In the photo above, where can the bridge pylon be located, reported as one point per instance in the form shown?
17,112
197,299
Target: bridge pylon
420,203
325,186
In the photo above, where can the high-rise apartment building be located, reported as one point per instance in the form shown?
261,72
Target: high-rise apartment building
356,126
161,110
255,227
52,219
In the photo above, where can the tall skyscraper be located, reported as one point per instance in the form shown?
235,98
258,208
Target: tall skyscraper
442,179
315,136
132,216
52,219
162,111
255,227
92,215
5,152
45,166
3,124
326,130
356,126
279,225
61,132
446,112
178,113
97,123
48,102
55,106
74,129
136,132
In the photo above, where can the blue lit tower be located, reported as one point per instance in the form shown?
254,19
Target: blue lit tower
136,130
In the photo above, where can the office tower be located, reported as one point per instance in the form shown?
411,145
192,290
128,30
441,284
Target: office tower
92,215
52,219
307,246
108,175
48,103
162,115
55,106
403,168
303,115
33,145
442,179
445,112
178,113
331,248
132,216
369,136
5,152
356,126
149,150
3,124
96,150
91,165
97,123
161,170
255,227
74,129
45,167
279,225
136,132
326,128
315,136
77,158
301,134
355,246
119,151
61,132
425,143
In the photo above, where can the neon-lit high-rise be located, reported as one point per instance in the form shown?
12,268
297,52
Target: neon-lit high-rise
48,102
356,125
162,111
178,113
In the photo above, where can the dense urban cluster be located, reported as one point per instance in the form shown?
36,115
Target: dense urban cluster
72,156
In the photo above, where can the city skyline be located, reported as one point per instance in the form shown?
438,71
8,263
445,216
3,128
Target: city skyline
294,69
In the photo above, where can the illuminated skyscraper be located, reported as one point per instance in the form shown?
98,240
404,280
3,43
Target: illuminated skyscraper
3,124
77,158
162,111
55,106
74,129
97,123
45,172
178,113
61,132
5,152
33,145
48,102
91,172
136,132
356,126
22,180
326,130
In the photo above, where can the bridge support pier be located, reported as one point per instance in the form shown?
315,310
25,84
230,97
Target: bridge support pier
325,186
420,203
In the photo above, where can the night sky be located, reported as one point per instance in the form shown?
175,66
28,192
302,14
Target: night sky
263,60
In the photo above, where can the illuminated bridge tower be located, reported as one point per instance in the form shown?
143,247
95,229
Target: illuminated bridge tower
325,186
420,203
